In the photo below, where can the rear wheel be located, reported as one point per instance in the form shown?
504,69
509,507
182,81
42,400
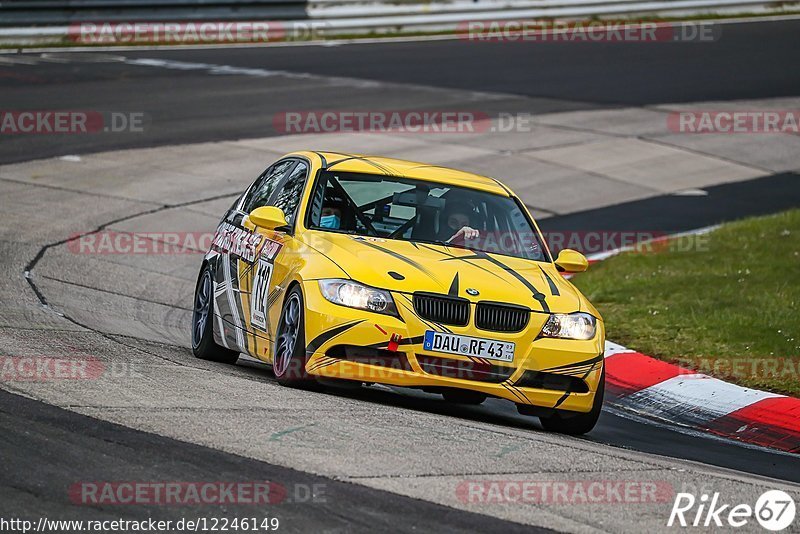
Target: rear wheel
289,357
577,423
464,396
203,345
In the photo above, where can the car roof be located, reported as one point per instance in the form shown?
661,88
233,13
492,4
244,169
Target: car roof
338,161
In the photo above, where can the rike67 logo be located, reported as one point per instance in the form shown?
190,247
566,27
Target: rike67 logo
774,510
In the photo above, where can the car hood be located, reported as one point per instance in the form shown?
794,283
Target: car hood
408,267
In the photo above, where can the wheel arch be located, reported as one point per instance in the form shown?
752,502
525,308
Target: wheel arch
211,264
296,281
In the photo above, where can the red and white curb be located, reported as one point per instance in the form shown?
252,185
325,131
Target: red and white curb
655,389
666,392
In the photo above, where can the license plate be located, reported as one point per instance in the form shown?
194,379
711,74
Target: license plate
469,346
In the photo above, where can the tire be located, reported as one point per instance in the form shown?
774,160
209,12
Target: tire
464,396
576,424
203,345
289,353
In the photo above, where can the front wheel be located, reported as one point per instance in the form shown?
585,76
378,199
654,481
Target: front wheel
580,423
203,345
289,356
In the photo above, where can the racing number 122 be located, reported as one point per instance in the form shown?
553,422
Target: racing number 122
258,298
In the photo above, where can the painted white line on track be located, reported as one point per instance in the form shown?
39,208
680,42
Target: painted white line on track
341,81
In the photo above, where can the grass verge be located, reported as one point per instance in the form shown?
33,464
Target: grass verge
726,304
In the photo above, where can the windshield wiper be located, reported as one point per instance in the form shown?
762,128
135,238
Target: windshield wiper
436,242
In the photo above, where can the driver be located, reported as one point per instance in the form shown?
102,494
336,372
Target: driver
454,223
336,214
331,217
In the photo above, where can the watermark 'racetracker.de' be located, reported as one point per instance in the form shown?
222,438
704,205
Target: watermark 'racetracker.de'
47,368
15,122
382,121
194,493
564,492
172,32
735,122
587,31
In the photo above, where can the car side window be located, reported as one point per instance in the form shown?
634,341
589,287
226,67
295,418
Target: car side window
265,185
291,192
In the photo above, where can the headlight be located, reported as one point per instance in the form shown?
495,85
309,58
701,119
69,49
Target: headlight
355,295
572,326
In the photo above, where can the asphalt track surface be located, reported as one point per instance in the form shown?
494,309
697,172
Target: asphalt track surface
37,437
102,451
748,61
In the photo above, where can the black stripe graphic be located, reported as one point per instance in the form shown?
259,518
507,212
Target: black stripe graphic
514,392
385,170
397,256
566,393
537,295
324,362
553,287
324,161
596,359
515,388
454,287
465,258
329,334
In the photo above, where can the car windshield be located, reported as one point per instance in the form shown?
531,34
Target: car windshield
422,212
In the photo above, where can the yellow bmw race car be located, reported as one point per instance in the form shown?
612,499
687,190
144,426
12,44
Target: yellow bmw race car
377,270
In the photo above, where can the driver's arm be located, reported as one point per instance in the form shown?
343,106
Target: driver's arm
466,233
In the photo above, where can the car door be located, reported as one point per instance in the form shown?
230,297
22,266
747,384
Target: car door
236,250
264,285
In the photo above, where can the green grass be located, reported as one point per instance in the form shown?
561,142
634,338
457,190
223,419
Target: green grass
728,305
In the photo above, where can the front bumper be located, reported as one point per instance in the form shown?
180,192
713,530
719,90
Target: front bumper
335,335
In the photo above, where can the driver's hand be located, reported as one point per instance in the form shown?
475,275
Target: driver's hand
466,233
